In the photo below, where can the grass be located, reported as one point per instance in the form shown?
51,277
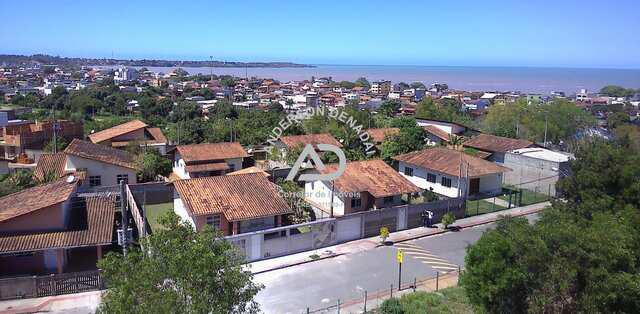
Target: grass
481,207
154,212
528,197
449,300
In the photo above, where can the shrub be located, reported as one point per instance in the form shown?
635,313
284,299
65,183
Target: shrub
448,219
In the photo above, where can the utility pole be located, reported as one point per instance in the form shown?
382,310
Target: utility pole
546,123
211,58
125,219
54,126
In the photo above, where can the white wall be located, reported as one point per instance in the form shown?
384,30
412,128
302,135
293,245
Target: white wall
447,127
319,193
181,211
107,172
179,166
490,184
419,178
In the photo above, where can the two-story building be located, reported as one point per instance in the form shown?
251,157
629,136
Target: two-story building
101,165
364,185
451,173
232,204
210,159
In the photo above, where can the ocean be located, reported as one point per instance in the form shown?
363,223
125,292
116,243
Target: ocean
523,79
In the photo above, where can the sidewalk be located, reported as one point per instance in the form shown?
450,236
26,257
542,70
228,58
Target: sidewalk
86,302
371,243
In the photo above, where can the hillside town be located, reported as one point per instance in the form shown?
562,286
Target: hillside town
93,160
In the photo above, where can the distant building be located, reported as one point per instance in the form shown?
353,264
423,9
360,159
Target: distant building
134,132
28,139
205,160
125,74
380,88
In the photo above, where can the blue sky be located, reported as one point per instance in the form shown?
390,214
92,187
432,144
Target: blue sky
561,33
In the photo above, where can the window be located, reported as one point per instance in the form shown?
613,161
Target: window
446,182
356,202
122,178
431,177
95,181
408,171
214,221
388,200
232,167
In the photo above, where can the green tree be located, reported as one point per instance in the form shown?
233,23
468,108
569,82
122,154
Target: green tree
389,107
185,272
617,91
60,143
362,82
617,119
151,165
410,138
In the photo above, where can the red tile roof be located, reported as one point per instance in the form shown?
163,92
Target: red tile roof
97,229
117,130
35,198
213,166
373,176
101,153
492,143
237,197
378,135
313,139
50,163
211,151
449,162
438,132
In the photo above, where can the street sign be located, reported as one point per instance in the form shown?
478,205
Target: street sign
399,256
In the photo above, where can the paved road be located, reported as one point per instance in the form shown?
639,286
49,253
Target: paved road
320,284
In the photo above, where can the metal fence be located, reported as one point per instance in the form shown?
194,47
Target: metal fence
370,300
55,284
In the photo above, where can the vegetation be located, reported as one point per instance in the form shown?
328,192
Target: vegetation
449,300
384,234
448,219
410,138
446,110
617,91
185,272
560,118
152,165
581,256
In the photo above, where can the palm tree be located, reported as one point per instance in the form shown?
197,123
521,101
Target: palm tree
455,141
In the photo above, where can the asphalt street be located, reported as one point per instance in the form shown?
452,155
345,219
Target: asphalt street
320,284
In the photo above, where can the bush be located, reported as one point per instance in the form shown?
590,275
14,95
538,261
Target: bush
448,219
391,306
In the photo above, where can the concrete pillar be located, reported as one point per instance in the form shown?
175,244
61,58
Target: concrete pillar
235,227
99,251
278,220
60,260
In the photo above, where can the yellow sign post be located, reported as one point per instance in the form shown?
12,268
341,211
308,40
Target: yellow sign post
400,258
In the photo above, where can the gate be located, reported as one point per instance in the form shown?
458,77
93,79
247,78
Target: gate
69,283
376,219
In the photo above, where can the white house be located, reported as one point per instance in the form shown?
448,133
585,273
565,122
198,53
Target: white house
103,165
204,160
364,185
451,173
447,127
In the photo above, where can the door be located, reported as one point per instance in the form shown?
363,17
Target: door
474,186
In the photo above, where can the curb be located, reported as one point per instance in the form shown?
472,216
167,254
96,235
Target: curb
482,222
299,263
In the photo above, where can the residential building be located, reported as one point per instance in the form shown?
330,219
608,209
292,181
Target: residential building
203,160
435,135
536,168
364,185
102,165
134,132
28,138
451,173
381,88
293,141
232,204
446,126
378,135
496,146
48,229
